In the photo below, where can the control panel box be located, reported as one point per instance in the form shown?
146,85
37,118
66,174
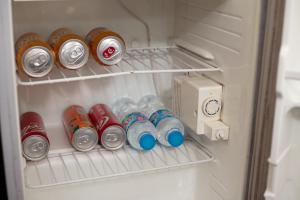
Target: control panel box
198,103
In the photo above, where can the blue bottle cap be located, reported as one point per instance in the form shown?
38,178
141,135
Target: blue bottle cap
147,141
175,138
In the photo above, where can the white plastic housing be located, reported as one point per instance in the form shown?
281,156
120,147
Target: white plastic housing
200,102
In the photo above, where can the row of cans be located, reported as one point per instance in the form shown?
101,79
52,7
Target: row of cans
84,131
36,57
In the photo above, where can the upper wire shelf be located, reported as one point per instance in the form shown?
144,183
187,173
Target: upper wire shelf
100,164
136,61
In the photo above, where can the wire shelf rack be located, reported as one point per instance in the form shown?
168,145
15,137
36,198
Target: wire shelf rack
100,164
136,61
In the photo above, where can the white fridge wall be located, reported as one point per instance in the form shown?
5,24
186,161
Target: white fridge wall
228,29
82,16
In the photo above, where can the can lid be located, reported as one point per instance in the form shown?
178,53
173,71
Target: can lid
35,147
73,54
37,61
113,137
147,141
85,139
175,138
111,50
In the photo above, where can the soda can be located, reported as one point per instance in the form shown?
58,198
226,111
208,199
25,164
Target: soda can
80,130
106,46
111,133
70,49
35,143
34,56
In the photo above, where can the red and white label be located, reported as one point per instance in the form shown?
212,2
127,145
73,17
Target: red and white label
109,52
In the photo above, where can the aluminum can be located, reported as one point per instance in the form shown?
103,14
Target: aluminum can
106,46
111,133
33,55
70,49
35,143
81,133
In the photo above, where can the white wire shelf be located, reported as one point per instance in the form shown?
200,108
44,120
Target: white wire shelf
100,164
136,61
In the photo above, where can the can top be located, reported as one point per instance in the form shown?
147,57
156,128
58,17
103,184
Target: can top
73,54
85,139
113,137
111,50
35,147
37,61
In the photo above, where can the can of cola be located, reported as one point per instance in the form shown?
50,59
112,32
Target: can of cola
110,131
106,46
35,143
70,49
80,130
33,55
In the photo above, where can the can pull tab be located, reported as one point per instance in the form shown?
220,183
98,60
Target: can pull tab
111,138
107,53
36,147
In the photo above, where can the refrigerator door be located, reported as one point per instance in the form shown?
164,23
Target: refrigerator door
284,162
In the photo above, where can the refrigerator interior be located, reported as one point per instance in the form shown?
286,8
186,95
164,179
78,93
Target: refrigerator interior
165,38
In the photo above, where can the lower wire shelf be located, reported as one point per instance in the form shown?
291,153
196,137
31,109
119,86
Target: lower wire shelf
100,164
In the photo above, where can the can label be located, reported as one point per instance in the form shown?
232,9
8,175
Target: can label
56,36
32,124
109,52
75,117
102,117
132,118
160,115
26,40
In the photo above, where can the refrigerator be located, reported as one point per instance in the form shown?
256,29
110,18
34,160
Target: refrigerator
172,45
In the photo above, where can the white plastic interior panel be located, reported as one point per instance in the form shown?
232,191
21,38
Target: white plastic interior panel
219,33
228,30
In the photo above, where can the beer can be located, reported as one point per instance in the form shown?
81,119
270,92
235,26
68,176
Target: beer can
106,46
80,131
70,49
110,131
33,55
35,143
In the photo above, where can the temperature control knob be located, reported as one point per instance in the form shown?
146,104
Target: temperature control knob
211,107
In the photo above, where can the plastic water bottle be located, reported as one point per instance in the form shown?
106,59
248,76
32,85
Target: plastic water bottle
170,129
141,133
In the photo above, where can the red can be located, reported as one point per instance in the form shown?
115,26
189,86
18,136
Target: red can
110,131
35,142
79,129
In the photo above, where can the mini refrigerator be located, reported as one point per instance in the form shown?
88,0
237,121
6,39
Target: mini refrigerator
173,48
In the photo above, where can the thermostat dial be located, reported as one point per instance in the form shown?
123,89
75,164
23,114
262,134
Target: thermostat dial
211,107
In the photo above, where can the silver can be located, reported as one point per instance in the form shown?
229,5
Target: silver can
37,61
111,50
106,46
35,147
113,137
69,48
34,56
73,54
